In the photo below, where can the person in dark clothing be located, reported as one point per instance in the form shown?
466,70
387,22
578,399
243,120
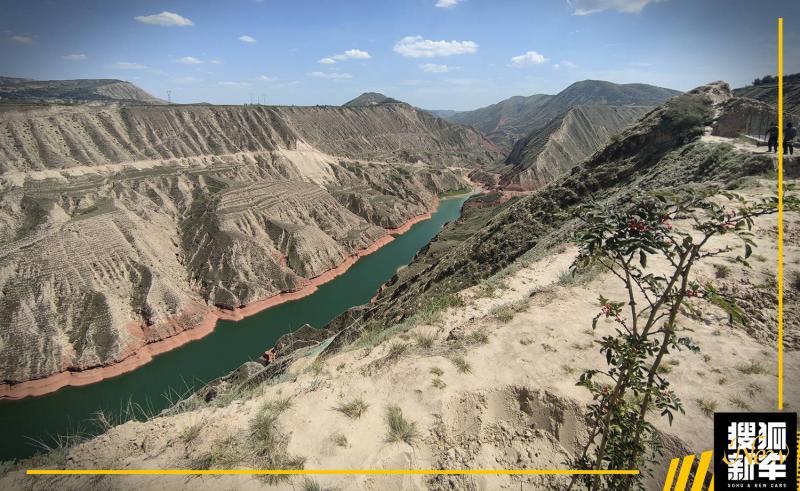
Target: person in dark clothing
789,135
772,138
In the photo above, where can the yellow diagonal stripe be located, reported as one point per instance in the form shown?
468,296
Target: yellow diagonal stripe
711,484
683,476
702,470
673,467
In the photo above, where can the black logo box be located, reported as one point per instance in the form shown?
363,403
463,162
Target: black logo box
721,424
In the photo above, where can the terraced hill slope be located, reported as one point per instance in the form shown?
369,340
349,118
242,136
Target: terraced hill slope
123,226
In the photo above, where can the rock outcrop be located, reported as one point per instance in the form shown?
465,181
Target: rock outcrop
123,226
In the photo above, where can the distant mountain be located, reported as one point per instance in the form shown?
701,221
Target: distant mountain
81,90
567,140
443,113
370,99
768,92
514,118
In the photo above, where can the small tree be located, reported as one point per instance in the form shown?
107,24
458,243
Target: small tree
622,238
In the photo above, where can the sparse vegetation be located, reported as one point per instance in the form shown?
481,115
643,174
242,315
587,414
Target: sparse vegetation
425,340
438,383
722,271
461,364
339,440
353,409
525,341
396,350
504,313
739,403
548,348
311,485
478,337
268,444
752,390
707,406
752,368
191,432
437,371
399,428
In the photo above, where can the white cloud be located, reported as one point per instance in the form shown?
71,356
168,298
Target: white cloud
165,19
247,39
190,60
350,54
417,47
434,68
234,85
127,65
215,62
586,7
331,75
565,64
447,4
22,39
75,57
266,78
529,58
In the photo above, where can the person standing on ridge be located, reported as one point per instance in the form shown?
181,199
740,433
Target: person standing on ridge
789,134
772,138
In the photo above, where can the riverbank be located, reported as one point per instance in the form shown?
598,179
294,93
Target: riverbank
145,354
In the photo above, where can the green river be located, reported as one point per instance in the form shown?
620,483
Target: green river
71,409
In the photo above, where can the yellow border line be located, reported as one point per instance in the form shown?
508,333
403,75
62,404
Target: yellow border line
291,472
536,472
780,214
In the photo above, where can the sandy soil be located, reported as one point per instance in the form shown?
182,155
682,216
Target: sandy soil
517,406
144,355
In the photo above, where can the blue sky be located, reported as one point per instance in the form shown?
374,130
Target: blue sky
437,54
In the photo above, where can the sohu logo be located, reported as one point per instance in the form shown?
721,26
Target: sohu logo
755,451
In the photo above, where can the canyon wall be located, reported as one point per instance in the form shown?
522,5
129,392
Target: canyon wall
123,226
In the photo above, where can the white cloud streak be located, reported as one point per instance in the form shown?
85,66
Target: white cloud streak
247,39
126,65
331,75
447,4
588,7
22,39
565,64
418,47
165,19
234,85
75,57
190,60
350,54
529,58
434,68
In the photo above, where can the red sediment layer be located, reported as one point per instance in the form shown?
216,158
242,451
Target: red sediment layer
145,354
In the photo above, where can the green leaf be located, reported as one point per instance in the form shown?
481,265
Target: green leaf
643,259
748,250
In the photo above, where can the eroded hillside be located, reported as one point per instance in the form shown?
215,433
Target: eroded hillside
125,226
545,154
